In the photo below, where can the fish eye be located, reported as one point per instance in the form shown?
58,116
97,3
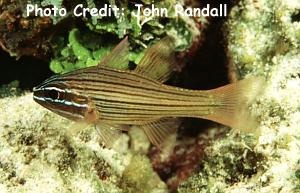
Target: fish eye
53,94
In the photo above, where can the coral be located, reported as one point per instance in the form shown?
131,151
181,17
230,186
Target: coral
255,28
178,163
261,41
86,47
227,161
41,141
139,177
32,141
76,42
35,142
23,35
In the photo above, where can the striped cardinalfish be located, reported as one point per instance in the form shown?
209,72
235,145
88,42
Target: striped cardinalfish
114,99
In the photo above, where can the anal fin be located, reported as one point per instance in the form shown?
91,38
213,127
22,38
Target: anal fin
158,131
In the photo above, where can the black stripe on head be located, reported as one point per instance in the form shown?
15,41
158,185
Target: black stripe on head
61,101
46,82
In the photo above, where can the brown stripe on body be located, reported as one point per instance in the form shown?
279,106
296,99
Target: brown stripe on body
124,97
91,76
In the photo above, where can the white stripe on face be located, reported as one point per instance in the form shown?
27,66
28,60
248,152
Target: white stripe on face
57,89
68,103
70,114
39,98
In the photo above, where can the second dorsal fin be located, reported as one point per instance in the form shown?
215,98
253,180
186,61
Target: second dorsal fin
118,57
159,60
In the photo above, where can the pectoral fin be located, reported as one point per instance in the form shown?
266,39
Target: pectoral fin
159,60
118,57
161,129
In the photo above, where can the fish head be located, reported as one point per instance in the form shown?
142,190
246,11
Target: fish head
56,95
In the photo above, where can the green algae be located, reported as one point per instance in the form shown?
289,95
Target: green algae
51,37
83,50
260,42
86,47
38,140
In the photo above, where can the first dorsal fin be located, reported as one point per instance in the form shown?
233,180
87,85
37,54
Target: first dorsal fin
160,130
118,57
159,60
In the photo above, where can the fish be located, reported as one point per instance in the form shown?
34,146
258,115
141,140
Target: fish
114,99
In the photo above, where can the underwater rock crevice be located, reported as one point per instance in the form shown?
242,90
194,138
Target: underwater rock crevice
295,16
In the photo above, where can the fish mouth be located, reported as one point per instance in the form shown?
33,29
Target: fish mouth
38,87
35,89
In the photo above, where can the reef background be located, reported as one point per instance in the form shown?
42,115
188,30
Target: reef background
42,152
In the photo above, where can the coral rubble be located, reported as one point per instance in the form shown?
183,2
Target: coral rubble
69,156
262,40
76,42
40,151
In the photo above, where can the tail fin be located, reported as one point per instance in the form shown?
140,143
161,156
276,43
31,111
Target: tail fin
234,100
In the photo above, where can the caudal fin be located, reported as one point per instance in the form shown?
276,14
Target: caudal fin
233,104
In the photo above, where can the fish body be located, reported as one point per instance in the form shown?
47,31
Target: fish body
103,95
